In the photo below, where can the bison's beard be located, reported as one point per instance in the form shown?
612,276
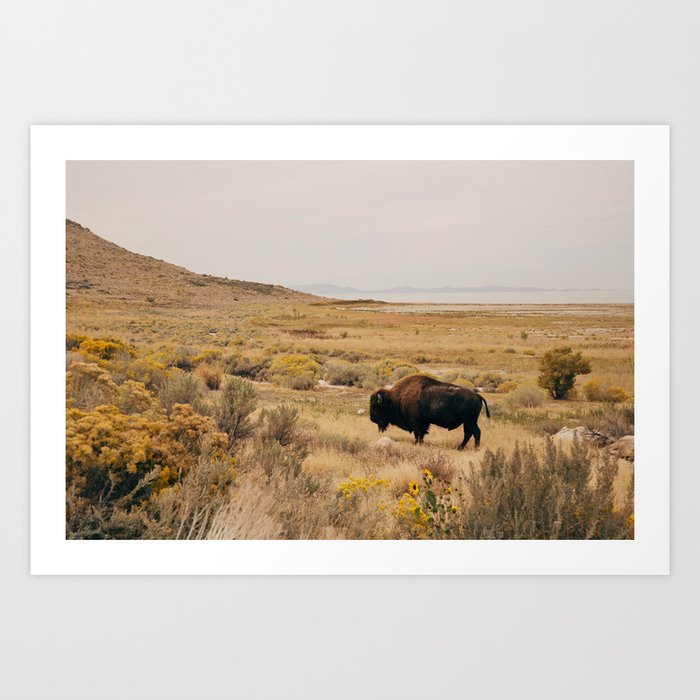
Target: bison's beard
382,425
381,422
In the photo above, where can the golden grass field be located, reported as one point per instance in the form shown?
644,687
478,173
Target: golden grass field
163,312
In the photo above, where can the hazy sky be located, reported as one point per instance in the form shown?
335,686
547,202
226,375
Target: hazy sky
370,224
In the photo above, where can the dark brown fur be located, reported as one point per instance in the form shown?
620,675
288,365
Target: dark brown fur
415,403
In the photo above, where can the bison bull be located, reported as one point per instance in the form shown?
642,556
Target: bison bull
415,403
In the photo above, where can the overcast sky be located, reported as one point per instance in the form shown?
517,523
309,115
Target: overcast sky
370,224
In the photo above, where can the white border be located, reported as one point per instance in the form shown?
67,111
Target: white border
52,146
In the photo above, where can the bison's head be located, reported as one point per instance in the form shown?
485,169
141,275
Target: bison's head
379,409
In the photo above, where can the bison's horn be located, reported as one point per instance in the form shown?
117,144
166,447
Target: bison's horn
379,398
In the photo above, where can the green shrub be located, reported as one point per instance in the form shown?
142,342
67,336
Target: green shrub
613,421
558,370
299,383
353,356
250,367
527,396
182,388
276,460
490,381
347,374
401,372
565,494
183,358
343,373
233,407
279,424
394,370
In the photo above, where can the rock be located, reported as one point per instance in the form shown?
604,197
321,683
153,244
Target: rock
385,443
361,411
323,382
567,435
624,448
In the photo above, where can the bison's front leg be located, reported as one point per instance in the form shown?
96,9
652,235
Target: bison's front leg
419,432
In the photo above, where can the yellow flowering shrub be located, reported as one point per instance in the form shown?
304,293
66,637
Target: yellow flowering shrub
105,348
147,370
364,508
615,394
73,340
134,397
426,512
394,369
88,385
356,486
411,515
208,355
594,391
110,453
507,386
295,371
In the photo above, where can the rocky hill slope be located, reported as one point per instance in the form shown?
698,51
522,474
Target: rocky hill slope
97,269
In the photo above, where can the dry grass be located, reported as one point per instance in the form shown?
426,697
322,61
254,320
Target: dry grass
171,314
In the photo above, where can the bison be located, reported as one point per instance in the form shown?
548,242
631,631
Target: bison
416,402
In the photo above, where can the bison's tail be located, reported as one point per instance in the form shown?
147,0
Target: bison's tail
488,415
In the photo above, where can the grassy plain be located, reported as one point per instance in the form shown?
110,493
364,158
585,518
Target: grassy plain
324,357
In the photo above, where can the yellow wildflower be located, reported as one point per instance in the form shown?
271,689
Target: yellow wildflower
412,488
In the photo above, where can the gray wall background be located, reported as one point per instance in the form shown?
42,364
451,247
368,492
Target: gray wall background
315,61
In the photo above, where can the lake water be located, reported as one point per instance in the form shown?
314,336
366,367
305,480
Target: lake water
578,297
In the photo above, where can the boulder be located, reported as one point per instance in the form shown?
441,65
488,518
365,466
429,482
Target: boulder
385,443
567,435
361,411
624,448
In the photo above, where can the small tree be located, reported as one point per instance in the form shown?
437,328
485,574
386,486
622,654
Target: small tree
558,370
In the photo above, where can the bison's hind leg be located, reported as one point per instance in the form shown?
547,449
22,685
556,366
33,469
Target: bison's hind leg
467,434
477,436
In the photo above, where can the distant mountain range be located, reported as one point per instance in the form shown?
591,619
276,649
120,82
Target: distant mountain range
331,289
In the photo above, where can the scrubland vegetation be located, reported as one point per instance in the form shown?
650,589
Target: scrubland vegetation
206,408
261,431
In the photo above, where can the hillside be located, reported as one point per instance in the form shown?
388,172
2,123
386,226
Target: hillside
97,269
